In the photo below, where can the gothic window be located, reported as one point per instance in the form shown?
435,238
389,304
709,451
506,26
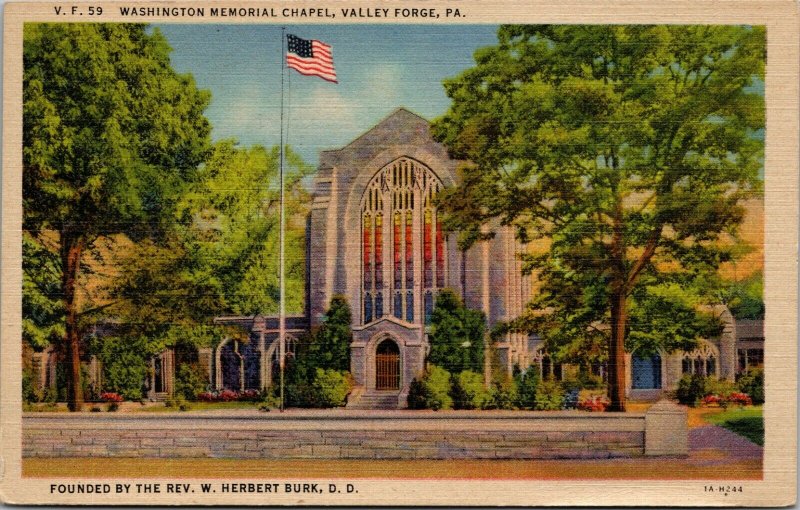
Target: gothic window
701,361
428,307
547,369
401,195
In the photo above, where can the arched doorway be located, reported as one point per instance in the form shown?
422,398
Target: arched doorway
646,372
387,366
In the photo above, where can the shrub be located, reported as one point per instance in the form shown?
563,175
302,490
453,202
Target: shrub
739,398
752,383
469,391
124,366
227,396
331,387
692,389
549,396
527,388
720,388
594,403
28,392
112,397
416,394
190,381
299,395
431,390
437,385
504,394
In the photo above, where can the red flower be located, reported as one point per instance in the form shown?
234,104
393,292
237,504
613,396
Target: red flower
110,396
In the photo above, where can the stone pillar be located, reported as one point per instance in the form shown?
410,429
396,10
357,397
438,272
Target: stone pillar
666,431
205,360
727,347
674,364
264,368
151,390
358,367
168,365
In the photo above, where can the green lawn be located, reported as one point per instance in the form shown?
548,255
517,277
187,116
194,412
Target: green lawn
201,406
746,421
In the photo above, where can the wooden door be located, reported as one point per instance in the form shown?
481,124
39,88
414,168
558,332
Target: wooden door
387,366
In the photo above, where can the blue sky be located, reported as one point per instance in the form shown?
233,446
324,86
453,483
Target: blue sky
379,67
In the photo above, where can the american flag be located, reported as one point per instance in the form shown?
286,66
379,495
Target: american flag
310,57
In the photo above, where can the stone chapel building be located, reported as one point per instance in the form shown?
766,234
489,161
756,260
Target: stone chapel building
375,236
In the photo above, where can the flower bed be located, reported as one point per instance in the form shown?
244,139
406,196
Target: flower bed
229,396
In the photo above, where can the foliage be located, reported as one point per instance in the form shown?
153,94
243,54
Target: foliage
691,389
627,149
190,381
125,365
720,387
331,387
111,134
528,383
597,403
752,383
549,396
330,344
456,336
299,394
110,396
42,308
416,394
431,390
745,298
504,394
29,394
469,391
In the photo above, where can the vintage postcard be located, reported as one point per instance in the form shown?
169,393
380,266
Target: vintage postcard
400,253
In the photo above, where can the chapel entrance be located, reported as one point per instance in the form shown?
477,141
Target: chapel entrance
387,366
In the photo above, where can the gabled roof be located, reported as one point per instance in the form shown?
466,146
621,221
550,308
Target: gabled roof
401,127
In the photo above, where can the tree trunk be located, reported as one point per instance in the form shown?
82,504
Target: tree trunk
71,251
616,352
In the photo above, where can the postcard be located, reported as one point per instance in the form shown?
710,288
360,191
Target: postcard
403,253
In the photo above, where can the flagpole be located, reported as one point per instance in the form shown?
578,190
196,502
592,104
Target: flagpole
282,306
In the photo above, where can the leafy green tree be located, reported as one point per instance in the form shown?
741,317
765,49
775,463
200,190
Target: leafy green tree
457,335
330,343
628,149
42,308
745,298
111,134
219,256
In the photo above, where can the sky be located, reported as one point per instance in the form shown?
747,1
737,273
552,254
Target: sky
379,68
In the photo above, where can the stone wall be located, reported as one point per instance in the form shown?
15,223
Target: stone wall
362,435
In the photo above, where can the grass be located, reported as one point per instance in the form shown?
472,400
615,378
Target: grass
746,421
200,406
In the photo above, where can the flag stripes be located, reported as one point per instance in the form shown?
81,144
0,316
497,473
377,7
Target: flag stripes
310,58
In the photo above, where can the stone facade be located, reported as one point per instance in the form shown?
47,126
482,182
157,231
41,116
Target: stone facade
375,237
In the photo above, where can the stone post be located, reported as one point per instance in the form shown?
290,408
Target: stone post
204,359
666,431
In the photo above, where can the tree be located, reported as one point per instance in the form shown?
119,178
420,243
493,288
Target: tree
456,336
330,344
628,149
111,133
218,257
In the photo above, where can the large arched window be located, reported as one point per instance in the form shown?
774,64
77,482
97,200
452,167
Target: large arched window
403,245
